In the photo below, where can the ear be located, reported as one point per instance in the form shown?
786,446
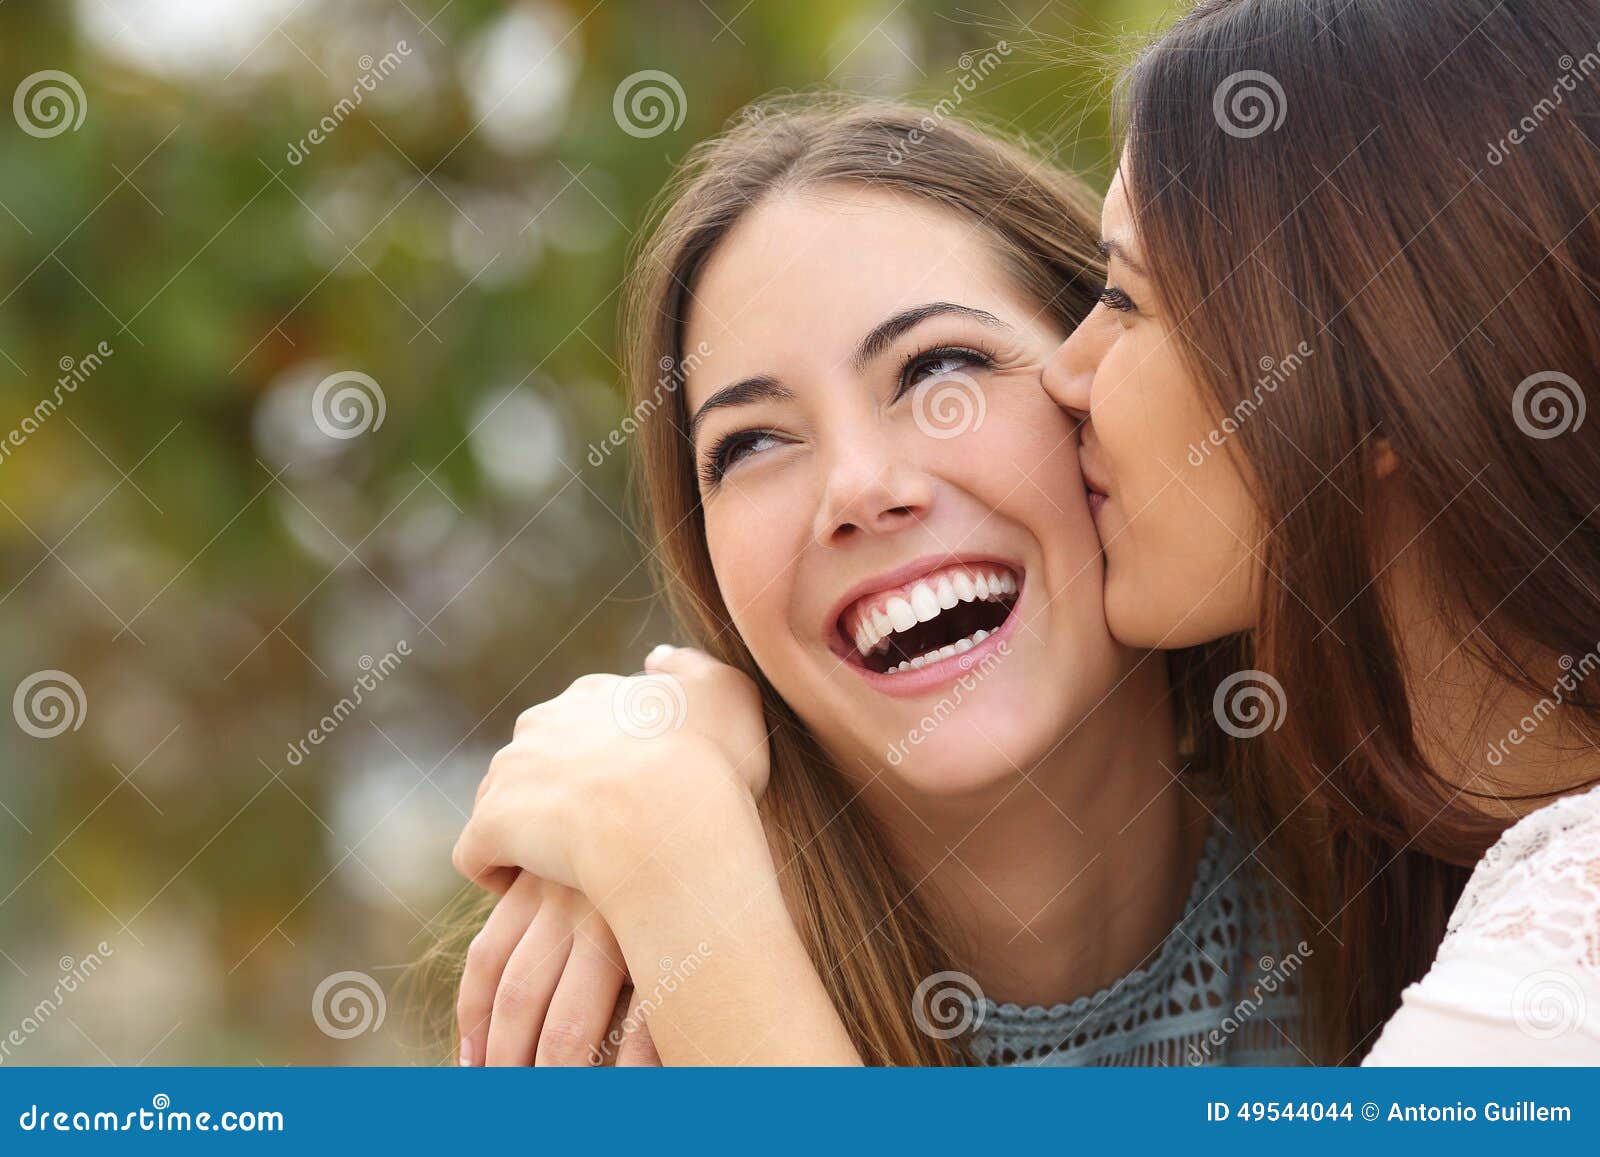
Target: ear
1385,462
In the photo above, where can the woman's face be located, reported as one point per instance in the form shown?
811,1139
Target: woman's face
893,505
1174,512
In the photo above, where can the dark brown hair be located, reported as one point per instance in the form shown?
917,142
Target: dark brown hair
1409,187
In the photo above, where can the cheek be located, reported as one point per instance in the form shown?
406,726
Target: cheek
1148,416
753,536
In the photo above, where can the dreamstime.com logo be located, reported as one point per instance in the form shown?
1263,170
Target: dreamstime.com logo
48,703
673,974
974,68
74,372
347,1004
1249,103
949,405
947,1004
1573,673
49,103
74,974
374,672
648,103
372,73
1274,373
648,706
1274,978
1547,405
1248,703
1548,1004
974,673
348,404
673,373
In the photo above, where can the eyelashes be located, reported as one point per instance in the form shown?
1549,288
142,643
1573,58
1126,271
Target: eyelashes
732,448
1115,299
728,450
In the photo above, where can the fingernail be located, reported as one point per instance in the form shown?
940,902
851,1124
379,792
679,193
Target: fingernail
659,651
466,1054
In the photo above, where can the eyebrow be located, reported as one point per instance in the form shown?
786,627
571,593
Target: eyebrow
1111,247
766,388
762,388
907,319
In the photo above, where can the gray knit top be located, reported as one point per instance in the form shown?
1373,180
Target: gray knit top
1219,990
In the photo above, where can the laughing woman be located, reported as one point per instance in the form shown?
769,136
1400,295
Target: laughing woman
976,812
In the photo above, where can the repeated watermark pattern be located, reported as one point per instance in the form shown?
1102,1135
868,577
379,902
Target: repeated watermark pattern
673,973
1549,1004
375,671
49,703
948,704
348,1004
674,372
975,67
1549,404
1249,103
1273,979
949,405
1574,672
74,973
347,404
947,1005
49,103
648,706
1574,73
648,103
373,73
1274,373
1249,703
74,372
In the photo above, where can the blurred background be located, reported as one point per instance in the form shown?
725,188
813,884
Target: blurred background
307,315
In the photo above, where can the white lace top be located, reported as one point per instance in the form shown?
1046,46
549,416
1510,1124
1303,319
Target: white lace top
1517,978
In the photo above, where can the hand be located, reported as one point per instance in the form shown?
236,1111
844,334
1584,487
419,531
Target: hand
542,983
614,770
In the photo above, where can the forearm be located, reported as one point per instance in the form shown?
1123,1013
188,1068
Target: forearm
722,974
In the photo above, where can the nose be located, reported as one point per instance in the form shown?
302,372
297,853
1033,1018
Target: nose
868,491
1069,372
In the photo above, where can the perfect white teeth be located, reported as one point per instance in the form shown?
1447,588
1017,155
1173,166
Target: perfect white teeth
924,602
947,652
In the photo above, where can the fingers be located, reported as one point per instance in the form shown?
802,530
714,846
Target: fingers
637,1049
526,986
580,1011
491,948
684,662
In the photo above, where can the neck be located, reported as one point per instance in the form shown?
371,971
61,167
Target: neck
1060,881
1510,749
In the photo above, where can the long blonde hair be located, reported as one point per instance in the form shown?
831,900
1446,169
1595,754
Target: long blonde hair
870,935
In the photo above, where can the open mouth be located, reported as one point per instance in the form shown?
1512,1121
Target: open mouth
938,616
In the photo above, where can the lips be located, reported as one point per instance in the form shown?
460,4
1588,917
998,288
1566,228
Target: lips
942,612
1096,490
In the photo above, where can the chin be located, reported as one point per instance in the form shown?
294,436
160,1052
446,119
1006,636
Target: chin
959,757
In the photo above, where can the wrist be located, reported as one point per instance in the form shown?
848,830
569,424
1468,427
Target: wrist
693,833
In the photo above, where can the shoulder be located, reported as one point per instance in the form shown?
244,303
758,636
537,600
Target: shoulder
1536,893
1517,978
